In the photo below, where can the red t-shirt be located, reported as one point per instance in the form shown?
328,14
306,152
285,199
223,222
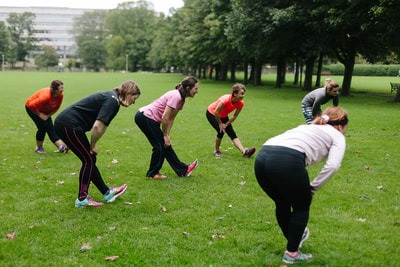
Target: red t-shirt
42,101
226,100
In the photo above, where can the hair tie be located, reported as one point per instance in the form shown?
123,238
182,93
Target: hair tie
325,117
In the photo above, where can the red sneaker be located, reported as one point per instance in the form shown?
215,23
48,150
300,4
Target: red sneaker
249,152
191,168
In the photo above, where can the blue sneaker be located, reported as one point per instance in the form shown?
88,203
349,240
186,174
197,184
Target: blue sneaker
40,150
87,202
291,258
114,193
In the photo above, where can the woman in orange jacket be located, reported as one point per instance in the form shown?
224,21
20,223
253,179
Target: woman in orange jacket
40,107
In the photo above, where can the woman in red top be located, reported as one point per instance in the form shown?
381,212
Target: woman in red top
217,114
40,106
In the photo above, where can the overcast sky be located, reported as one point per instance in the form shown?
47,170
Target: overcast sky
159,5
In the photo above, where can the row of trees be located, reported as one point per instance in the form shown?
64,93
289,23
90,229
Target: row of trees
211,38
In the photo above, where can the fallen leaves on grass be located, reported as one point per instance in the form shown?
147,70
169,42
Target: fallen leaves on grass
111,258
163,209
185,234
11,236
218,236
85,246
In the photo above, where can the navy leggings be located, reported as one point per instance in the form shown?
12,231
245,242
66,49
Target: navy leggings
229,129
43,127
77,141
281,173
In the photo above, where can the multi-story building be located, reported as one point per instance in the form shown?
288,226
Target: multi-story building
53,26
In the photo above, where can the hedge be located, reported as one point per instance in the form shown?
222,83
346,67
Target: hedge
364,70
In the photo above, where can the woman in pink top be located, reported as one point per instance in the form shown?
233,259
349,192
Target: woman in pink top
217,114
156,119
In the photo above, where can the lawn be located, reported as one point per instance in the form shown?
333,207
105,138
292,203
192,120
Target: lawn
217,217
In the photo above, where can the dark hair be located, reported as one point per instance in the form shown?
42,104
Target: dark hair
54,85
237,87
185,86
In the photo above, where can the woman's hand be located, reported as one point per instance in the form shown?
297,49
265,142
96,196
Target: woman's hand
94,150
222,127
167,141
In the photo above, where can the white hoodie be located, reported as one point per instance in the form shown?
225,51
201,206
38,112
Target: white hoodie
317,142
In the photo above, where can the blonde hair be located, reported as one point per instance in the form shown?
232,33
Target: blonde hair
333,116
327,81
330,84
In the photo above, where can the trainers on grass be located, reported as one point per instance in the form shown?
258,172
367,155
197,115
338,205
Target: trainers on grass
40,150
87,202
114,192
217,154
158,176
191,168
305,236
249,152
291,258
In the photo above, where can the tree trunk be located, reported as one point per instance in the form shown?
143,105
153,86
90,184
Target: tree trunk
319,70
257,73
309,73
210,72
348,74
280,72
233,72
246,73
296,71
217,72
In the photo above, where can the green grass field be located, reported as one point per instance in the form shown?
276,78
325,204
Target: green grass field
217,217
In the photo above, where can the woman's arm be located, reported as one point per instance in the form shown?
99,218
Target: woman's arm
98,129
166,123
235,115
217,111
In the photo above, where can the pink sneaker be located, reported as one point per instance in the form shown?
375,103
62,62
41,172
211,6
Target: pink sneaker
191,168
114,193
158,176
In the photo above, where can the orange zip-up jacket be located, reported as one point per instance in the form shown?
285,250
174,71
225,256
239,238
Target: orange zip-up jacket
42,101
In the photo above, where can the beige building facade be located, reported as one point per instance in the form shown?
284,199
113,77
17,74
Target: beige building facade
53,25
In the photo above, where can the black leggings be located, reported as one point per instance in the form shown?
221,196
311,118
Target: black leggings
281,173
229,129
43,127
77,141
152,131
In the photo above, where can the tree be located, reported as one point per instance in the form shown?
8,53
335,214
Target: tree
355,27
22,32
49,58
90,34
4,39
135,23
